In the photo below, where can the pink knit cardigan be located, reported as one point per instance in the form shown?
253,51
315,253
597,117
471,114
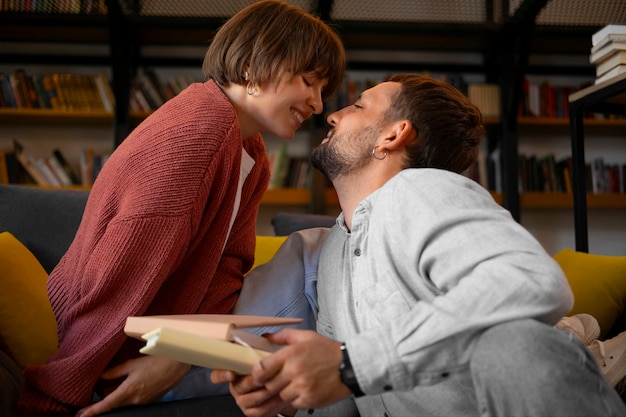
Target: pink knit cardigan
150,242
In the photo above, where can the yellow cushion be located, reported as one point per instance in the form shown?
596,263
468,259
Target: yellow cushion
28,331
598,283
266,247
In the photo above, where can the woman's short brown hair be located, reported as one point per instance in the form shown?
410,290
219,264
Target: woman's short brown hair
273,37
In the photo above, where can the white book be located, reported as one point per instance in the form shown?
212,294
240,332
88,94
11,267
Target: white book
606,30
620,69
607,52
608,40
58,170
618,58
52,179
104,90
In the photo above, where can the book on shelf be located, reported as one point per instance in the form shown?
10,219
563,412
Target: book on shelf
618,58
216,341
608,51
150,91
64,164
545,173
13,171
486,97
610,41
72,92
7,91
18,92
4,168
29,163
610,29
105,92
614,72
46,170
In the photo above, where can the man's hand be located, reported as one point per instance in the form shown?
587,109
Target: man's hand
305,373
253,399
147,379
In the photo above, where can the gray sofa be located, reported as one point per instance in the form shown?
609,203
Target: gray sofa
45,221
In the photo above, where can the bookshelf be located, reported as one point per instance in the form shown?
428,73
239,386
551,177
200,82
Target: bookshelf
479,37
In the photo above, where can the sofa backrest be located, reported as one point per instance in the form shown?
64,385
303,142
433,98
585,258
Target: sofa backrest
44,220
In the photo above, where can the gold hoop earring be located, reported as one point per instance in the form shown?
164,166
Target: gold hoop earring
374,154
246,77
250,92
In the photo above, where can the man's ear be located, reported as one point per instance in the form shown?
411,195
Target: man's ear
399,135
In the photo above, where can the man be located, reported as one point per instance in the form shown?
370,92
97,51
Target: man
432,299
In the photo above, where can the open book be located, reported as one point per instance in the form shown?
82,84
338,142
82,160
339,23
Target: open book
214,341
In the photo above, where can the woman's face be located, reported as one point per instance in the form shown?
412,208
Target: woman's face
281,108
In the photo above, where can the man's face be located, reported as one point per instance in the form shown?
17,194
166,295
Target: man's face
355,131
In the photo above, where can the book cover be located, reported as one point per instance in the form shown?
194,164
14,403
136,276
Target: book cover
4,169
27,161
215,341
7,91
216,326
608,40
105,92
26,95
58,171
12,167
203,351
606,52
619,58
44,168
58,155
18,93
614,72
86,167
606,30
50,87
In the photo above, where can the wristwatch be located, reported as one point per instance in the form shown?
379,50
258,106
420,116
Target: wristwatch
346,373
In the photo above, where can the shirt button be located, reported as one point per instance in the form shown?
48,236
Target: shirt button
357,252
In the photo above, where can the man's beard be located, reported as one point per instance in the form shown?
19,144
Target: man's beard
328,160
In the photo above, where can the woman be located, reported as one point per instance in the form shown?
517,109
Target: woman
169,227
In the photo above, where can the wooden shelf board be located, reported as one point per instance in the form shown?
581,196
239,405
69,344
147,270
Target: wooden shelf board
54,117
566,200
287,196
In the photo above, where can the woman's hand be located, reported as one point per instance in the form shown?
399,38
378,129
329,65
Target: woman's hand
146,379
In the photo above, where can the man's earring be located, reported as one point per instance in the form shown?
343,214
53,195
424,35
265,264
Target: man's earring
376,157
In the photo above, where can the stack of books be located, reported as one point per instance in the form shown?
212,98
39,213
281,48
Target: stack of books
608,52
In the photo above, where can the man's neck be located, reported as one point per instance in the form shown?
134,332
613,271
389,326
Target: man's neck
356,187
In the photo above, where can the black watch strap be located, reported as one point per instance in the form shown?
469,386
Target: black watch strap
346,373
